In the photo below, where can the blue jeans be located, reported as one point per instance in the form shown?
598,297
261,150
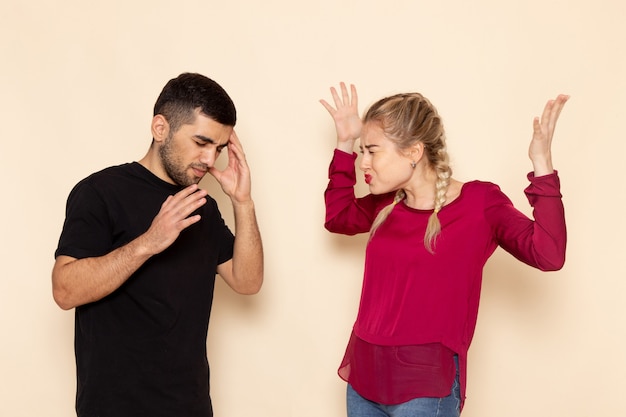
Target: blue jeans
419,407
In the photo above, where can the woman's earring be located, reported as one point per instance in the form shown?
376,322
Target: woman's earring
413,164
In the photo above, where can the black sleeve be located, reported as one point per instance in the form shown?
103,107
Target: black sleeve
226,238
87,228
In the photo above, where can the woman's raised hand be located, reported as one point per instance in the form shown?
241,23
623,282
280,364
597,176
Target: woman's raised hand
540,149
346,116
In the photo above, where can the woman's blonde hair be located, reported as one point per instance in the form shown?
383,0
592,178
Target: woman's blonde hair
408,119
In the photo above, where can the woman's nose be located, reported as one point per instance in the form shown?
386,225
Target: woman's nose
365,163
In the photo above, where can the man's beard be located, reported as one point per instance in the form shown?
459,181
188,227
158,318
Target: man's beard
172,164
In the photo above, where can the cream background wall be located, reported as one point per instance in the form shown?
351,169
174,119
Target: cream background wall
77,84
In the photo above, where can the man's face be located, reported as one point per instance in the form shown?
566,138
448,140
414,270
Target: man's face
188,153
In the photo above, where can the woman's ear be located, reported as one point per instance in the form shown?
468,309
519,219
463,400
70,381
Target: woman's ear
160,128
416,152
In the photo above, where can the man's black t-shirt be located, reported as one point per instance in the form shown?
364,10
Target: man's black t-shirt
141,351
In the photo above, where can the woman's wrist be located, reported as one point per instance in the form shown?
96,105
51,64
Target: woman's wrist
542,168
346,146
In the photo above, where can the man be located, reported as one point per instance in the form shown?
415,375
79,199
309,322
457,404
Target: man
138,254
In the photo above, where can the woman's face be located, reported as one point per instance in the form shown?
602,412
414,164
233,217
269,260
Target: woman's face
386,167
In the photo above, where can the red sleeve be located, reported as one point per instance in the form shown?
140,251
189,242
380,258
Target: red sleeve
345,213
540,242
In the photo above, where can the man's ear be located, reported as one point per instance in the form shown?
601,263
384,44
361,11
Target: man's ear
160,128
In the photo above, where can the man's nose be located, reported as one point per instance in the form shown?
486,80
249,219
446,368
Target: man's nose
208,156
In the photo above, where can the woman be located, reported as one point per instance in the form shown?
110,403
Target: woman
430,237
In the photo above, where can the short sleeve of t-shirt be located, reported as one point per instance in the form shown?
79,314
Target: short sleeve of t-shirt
87,228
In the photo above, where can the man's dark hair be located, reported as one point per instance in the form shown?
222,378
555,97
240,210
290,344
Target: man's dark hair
182,95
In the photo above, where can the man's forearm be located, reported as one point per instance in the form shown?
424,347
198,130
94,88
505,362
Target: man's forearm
80,281
248,250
